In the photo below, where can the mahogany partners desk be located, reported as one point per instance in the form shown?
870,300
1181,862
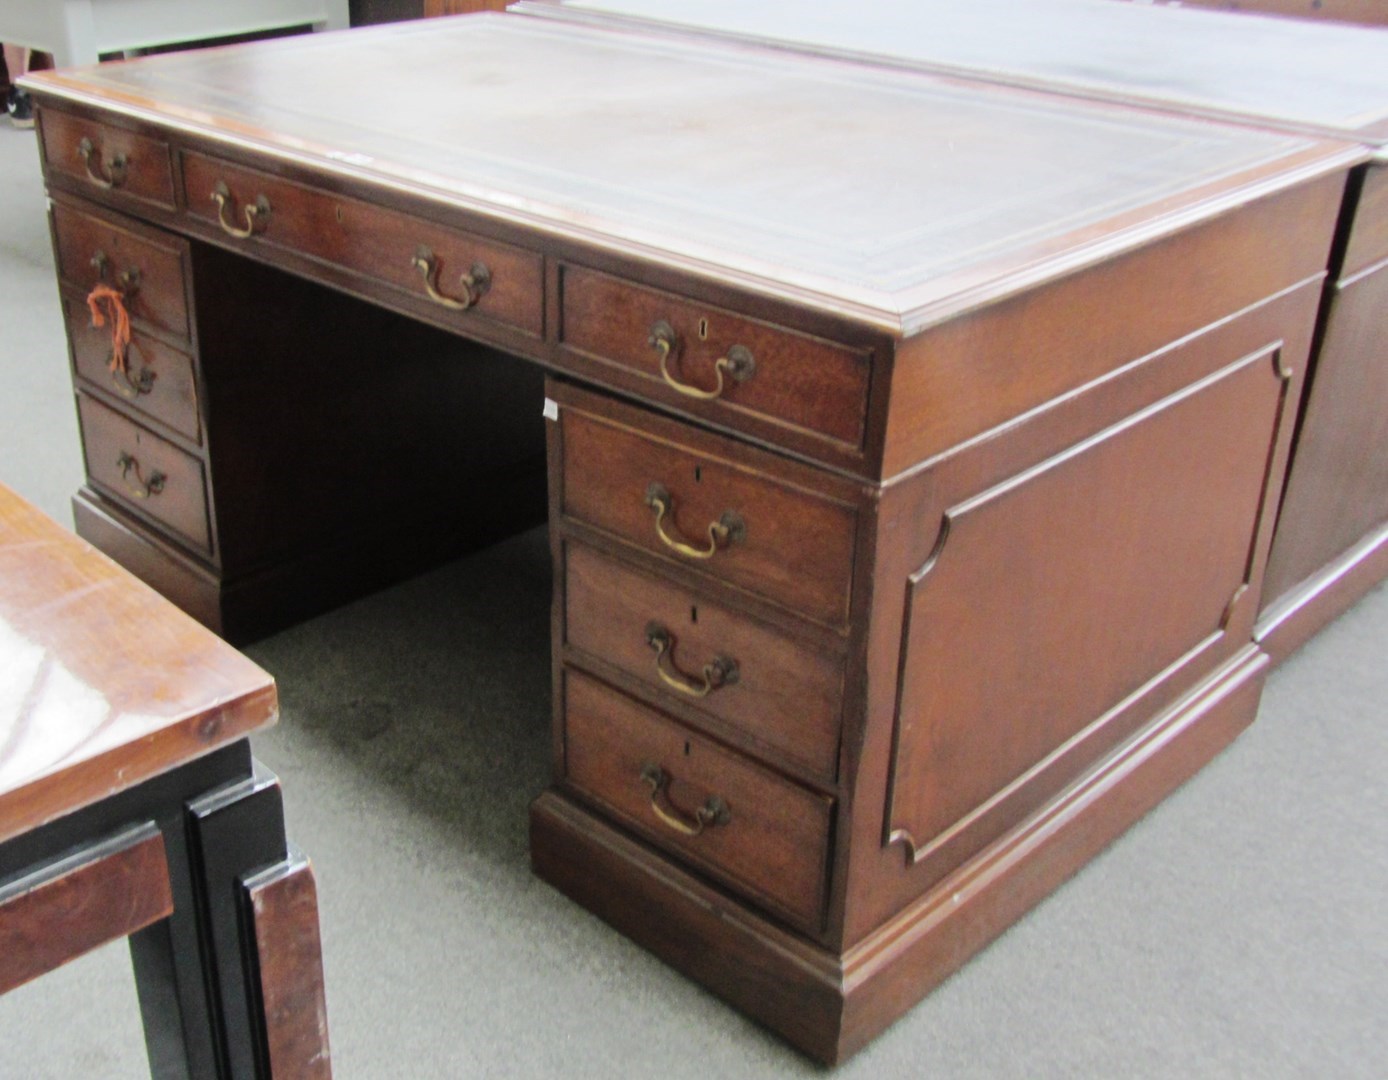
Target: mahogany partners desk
1331,541
912,454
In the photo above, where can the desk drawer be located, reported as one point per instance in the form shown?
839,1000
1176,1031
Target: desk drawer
158,380
146,473
763,834
718,360
108,160
147,266
431,263
726,516
784,695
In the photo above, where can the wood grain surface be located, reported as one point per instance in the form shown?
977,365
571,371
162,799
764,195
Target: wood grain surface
107,890
106,683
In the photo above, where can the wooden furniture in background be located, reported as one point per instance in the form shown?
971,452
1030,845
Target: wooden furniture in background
130,806
912,469
1331,544
77,32
1363,12
434,8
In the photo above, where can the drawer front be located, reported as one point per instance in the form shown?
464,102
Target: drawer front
719,810
690,351
108,160
145,265
158,380
388,247
145,472
781,693
781,542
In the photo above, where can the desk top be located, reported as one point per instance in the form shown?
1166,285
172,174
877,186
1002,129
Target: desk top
103,683
891,197
1312,76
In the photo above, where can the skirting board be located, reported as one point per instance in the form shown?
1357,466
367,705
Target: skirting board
1293,619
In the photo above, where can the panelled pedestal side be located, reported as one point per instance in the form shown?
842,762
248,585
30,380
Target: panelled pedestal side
1331,544
208,476
1024,641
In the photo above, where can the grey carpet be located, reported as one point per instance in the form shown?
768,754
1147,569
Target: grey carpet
1238,931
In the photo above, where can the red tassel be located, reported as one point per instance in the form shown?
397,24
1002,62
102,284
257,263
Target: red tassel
113,303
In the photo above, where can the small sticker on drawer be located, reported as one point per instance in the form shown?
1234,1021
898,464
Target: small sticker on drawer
551,409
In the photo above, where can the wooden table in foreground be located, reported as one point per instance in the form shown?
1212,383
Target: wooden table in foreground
913,454
130,806
1331,542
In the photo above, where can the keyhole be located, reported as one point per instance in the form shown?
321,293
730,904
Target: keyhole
339,215
703,329
686,749
694,614
698,474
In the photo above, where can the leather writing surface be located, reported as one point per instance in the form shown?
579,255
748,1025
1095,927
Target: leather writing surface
881,188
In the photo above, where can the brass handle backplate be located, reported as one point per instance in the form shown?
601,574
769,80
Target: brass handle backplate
107,176
720,671
728,529
714,811
128,463
474,283
256,213
738,363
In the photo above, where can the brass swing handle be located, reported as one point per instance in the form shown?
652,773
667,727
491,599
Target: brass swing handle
720,671
128,279
133,388
728,529
106,177
474,283
256,213
714,811
128,463
739,363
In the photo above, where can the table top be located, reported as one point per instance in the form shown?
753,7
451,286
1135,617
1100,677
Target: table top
1321,77
891,197
103,683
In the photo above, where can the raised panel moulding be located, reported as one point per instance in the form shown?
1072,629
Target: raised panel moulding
994,710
